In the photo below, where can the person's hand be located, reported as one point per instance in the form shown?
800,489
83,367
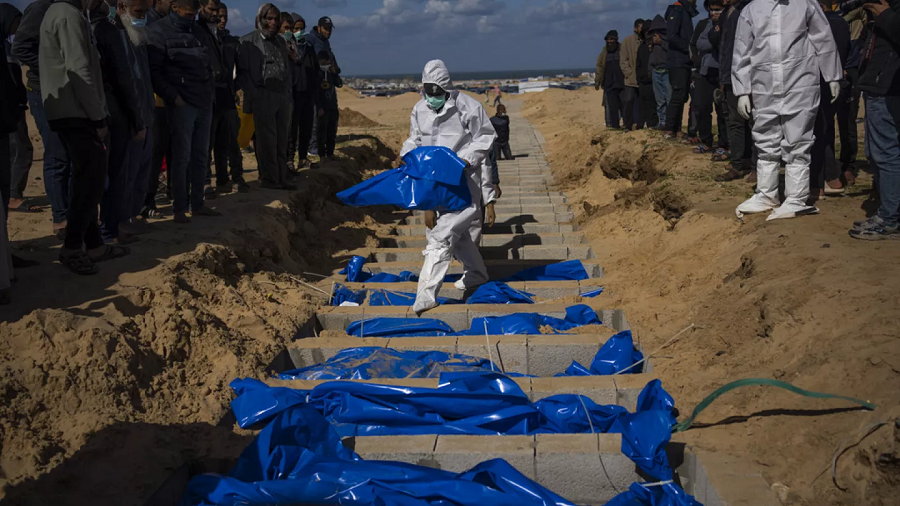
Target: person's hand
877,9
498,191
489,215
321,112
744,108
101,133
180,101
835,88
430,219
597,87
716,28
141,135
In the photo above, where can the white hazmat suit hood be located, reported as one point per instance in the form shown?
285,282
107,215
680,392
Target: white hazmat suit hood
463,126
781,48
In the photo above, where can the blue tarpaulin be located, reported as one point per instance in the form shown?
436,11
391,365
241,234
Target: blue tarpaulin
592,293
431,179
379,363
386,277
570,270
468,403
399,327
343,294
495,292
667,494
382,297
617,354
354,271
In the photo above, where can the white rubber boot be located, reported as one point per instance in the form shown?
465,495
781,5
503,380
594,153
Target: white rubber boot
437,261
766,196
796,193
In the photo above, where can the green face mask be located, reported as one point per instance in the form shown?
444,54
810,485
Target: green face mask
300,34
288,36
436,103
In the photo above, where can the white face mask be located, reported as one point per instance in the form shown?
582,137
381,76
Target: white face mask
325,68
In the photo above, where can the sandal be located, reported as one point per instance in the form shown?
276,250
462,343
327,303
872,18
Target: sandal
731,175
79,263
111,252
720,155
25,207
701,149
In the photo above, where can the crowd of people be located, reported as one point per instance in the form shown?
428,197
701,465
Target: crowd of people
124,90
847,50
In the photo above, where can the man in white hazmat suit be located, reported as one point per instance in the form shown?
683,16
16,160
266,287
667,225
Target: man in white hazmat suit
448,118
780,48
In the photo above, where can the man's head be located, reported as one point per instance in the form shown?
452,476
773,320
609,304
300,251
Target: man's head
133,11
209,11
223,16
715,8
501,110
638,25
299,23
436,84
163,6
186,8
325,27
268,18
612,38
285,23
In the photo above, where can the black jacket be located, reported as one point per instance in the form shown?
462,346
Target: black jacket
8,15
642,64
679,31
320,43
695,53
328,85
501,126
116,64
725,39
306,68
840,30
179,62
251,61
10,111
27,40
880,68
223,78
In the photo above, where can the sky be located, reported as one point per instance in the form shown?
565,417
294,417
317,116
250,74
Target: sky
399,36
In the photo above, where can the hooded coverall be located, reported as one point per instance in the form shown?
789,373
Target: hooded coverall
780,49
463,126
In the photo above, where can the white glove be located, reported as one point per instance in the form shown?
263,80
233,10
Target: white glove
835,90
744,106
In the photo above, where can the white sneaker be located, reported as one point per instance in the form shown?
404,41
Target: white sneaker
758,203
460,285
787,210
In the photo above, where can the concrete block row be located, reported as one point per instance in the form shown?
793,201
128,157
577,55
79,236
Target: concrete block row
546,290
497,269
489,240
583,468
498,228
534,252
517,218
457,316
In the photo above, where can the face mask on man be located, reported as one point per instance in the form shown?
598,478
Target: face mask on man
325,68
436,103
111,15
300,34
139,22
288,36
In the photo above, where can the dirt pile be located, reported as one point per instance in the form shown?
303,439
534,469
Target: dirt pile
797,300
353,119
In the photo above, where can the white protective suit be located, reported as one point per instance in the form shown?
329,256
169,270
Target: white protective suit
780,49
463,126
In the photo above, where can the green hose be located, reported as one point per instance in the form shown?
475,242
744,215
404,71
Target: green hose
685,425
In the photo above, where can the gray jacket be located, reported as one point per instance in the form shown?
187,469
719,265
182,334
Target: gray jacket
71,81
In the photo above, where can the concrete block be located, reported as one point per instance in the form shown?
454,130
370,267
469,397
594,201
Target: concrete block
338,318
581,467
437,343
312,351
410,449
454,315
629,386
564,217
552,289
545,252
398,254
580,252
614,318
551,239
566,227
460,453
509,353
600,389
552,354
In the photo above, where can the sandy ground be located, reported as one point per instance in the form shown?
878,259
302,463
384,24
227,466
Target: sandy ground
797,300
112,382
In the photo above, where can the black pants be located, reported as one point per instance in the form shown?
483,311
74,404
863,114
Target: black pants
162,144
680,80
647,106
89,167
628,97
613,106
703,103
272,117
327,125
823,165
847,110
118,140
5,171
223,144
301,125
504,149
739,134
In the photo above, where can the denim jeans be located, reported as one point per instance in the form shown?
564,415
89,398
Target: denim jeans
883,151
189,127
57,168
663,92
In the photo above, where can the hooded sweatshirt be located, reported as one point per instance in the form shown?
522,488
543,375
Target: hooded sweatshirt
658,56
27,41
679,31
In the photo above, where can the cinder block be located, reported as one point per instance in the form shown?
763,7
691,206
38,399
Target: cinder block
545,252
454,315
552,289
629,386
460,453
585,468
312,351
398,254
338,318
509,353
600,389
564,217
580,252
438,343
552,354
410,449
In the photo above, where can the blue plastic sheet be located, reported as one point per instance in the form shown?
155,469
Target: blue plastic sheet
467,403
617,354
299,459
399,327
343,294
386,277
592,293
495,292
570,270
354,271
432,179
668,494
382,297
377,363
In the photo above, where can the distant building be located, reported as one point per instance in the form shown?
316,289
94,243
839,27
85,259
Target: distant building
533,86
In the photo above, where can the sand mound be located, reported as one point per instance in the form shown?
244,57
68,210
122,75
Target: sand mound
351,118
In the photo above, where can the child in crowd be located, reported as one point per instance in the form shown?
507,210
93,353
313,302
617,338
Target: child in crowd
500,121
327,106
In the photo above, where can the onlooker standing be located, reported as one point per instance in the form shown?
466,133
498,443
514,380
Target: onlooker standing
126,120
305,90
739,141
162,139
224,132
57,167
628,62
609,76
500,121
880,84
319,38
9,118
265,76
646,100
161,9
75,105
328,113
21,150
707,82
658,62
848,107
679,30
181,75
